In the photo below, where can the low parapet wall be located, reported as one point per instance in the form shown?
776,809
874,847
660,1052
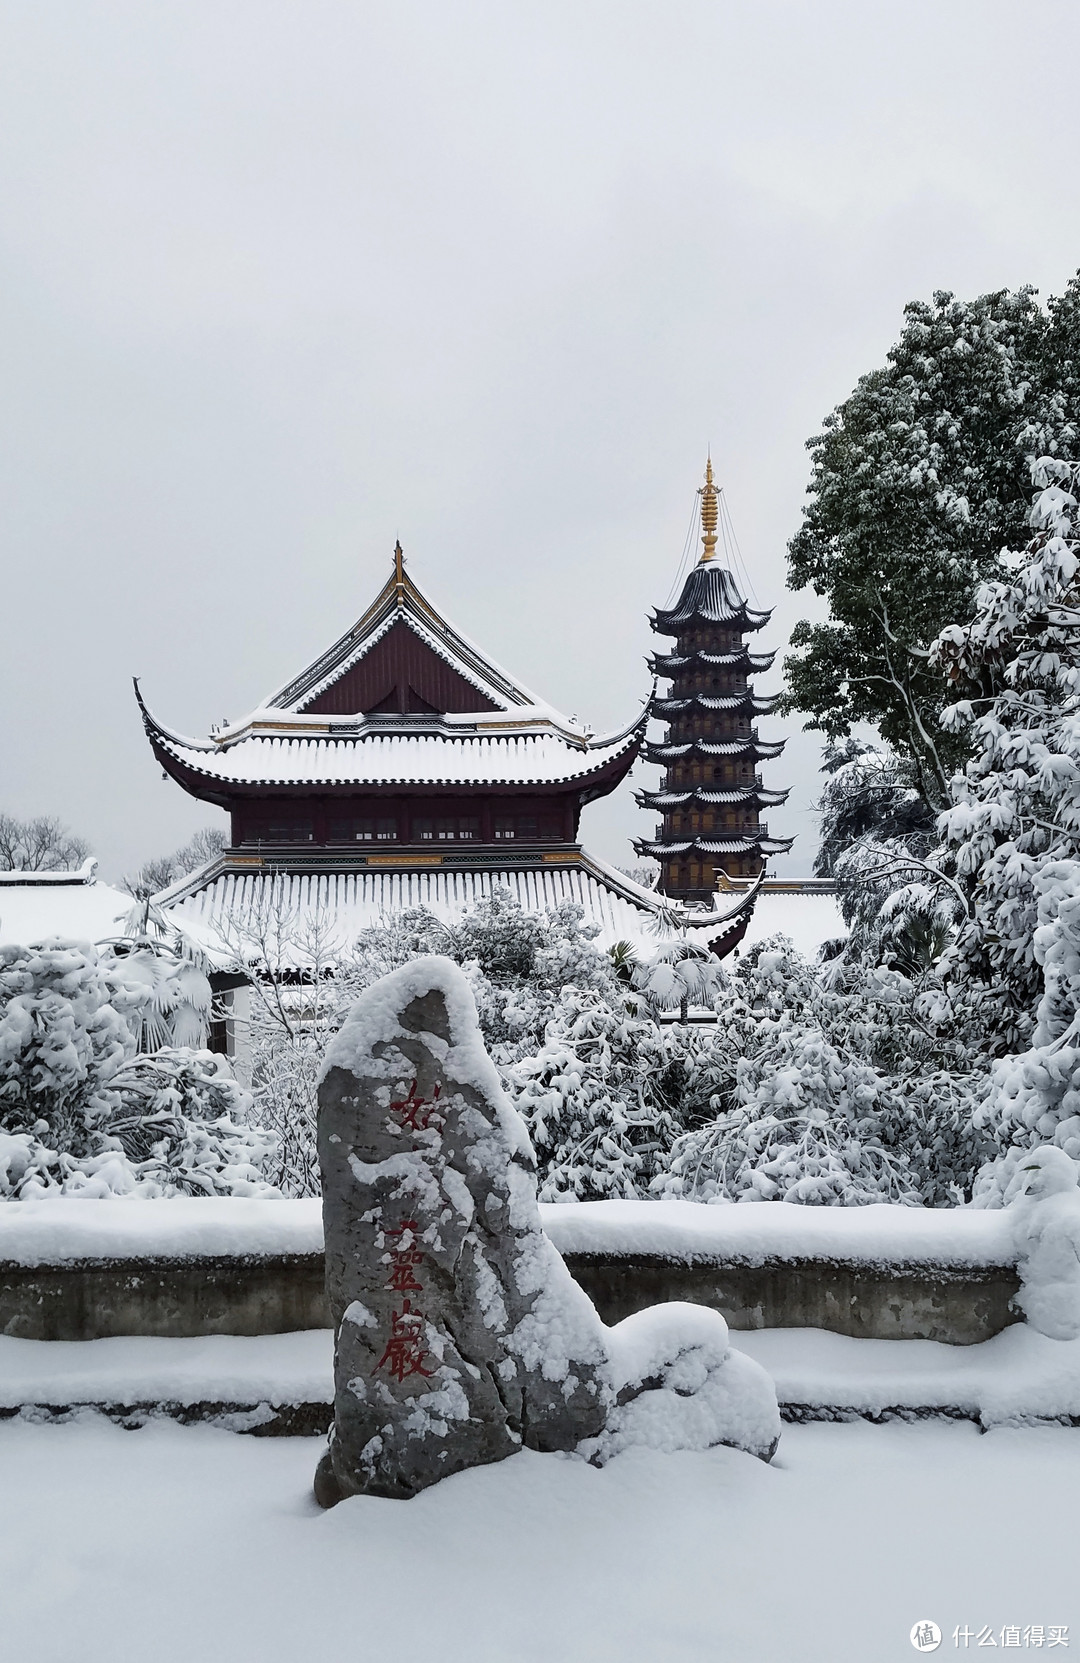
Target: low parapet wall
80,1270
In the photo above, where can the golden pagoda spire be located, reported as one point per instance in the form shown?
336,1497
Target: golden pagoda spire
710,513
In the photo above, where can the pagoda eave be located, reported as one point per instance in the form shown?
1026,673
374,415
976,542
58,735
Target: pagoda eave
744,620
753,704
670,664
646,846
751,747
662,801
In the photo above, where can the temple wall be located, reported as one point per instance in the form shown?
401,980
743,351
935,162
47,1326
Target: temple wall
275,1293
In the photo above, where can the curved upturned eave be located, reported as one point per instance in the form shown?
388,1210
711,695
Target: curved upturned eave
664,848
756,704
664,801
672,664
764,749
709,595
161,738
212,785
661,848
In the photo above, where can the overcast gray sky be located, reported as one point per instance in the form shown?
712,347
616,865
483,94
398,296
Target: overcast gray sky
285,281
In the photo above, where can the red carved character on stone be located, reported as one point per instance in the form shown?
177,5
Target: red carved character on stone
404,1354
417,1113
402,1259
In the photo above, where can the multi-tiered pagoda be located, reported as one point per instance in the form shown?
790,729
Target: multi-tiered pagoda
404,768
711,795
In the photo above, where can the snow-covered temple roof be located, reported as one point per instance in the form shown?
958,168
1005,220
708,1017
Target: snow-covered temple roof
402,699
37,905
226,907
400,750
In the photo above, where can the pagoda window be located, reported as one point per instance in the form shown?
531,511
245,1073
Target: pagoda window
535,828
284,827
447,828
363,828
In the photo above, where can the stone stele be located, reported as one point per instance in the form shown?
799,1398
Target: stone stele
459,1333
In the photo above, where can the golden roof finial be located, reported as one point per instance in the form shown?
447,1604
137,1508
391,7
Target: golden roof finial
710,513
399,564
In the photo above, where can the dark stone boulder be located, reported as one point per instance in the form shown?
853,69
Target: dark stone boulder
460,1334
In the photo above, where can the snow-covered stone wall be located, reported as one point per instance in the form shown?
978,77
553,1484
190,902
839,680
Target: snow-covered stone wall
72,1269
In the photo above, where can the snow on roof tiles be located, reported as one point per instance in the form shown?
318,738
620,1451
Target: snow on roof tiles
37,905
394,757
347,902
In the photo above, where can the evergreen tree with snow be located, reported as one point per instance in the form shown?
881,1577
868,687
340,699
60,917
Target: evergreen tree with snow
1013,828
1014,834
919,478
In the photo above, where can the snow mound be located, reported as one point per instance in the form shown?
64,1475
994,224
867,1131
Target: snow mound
679,1384
1044,1210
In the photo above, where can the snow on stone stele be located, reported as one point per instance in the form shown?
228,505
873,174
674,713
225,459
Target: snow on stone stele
460,1335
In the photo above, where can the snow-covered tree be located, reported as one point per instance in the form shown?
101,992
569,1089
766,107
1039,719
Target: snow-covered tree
676,974
805,1127
81,1111
1014,835
600,1099
1013,829
305,979
876,833
919,479
160,872
832,1082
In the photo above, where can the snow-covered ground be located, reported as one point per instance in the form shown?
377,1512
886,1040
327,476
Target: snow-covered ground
1019,1375
195,1545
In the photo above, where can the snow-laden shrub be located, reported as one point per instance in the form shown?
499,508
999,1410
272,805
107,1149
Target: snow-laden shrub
168,992
184,1126
176,1126
805,1128
597,1100
876,828
1034,1096
928,1120
65,1028
1014,834
518,965
677,974
82,1112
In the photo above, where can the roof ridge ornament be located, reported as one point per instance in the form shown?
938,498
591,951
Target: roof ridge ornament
399,571
710,513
